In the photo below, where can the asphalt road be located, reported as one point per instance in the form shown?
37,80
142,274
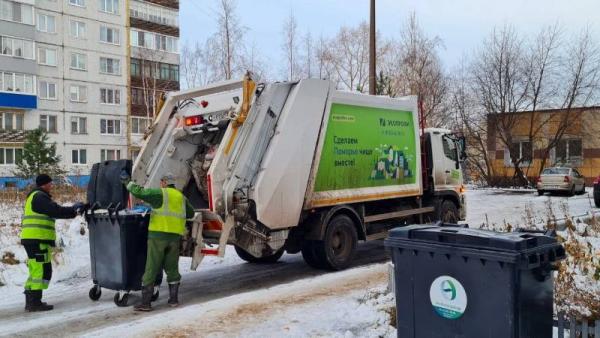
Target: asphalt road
75,314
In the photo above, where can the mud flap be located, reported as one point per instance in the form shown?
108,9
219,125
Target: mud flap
227,226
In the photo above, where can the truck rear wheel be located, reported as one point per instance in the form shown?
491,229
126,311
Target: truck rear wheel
309,255
337,249
449,212
259,260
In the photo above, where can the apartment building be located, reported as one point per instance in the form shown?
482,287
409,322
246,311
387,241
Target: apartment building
154,63
77,69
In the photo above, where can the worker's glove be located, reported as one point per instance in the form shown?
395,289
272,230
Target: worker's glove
125,178
80,208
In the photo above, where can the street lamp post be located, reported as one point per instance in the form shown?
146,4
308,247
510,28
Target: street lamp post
372,52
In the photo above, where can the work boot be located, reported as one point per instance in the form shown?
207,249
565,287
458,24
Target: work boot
173,290
33,301
145,305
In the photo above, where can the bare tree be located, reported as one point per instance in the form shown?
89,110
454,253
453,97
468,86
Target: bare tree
290,46
323,60
252,61
415,69
580,85
349,54
229,39
308,55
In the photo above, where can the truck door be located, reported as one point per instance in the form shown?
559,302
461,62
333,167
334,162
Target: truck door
448,174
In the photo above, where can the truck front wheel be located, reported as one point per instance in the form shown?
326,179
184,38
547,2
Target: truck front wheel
260,260
449,212
337,249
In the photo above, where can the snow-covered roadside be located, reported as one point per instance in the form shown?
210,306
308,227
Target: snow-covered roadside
341,304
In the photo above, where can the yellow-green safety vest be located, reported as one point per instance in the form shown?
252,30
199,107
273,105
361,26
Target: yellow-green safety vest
170,217
36,225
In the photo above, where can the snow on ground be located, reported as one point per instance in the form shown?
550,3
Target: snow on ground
330,305
344,304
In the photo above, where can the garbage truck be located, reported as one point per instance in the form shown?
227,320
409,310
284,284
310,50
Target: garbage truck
300,167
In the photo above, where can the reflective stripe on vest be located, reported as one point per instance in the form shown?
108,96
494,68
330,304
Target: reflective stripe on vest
36,225
170,217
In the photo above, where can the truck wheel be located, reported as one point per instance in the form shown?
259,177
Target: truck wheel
449,212
259,260
309,255
541,192
336,250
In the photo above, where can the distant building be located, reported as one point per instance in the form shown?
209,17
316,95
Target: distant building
77,68
578,147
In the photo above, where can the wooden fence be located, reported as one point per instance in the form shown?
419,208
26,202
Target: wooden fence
572,328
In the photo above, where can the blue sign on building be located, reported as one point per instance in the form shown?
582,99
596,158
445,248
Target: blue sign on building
19,101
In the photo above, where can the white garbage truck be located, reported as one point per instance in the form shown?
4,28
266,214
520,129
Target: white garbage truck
300,167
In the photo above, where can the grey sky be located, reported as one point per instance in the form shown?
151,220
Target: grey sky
461,24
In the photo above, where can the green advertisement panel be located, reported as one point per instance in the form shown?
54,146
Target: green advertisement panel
367,147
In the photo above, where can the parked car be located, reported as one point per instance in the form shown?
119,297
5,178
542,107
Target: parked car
597,192
561,179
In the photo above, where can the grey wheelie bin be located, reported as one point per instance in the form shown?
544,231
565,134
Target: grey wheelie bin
118,236
459,282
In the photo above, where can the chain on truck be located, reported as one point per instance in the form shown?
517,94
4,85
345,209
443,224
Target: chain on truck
300,167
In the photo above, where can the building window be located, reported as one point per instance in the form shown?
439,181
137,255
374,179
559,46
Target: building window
16,47
110,96
135,67
109,35
15,82
110,127
80,3
78,29
137,96
154,41
110,66
78,93
568,150
47,56
153,13
79,156
11,121
10,156
48,123
109,6
46,23
17,12
47,90
139,125
78,125
524,153
78,61
109,155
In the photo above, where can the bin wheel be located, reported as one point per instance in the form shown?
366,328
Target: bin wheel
155,295
259,260
337,249
121,300
95,292
541,192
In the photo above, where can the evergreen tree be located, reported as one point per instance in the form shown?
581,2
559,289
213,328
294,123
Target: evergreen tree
39,156
384,85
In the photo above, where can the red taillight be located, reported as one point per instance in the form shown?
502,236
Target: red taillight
538,180
204,103
194,120
567,179
597,180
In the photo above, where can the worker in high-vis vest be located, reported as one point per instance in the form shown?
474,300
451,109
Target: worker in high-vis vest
38,236
170,210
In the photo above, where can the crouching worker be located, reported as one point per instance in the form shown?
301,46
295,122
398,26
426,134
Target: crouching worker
38,236
170,209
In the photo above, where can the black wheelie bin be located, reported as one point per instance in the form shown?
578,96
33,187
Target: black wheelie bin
118,236
458,282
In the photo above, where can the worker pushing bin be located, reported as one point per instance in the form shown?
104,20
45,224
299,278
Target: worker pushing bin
118,236
459,282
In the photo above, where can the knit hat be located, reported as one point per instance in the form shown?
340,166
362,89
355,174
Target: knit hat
42,179
169,178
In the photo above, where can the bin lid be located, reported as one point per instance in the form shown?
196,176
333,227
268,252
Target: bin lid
472,238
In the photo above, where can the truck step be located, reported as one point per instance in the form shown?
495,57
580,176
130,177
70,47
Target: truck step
210,251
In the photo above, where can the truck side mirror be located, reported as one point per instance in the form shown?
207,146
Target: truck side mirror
462,144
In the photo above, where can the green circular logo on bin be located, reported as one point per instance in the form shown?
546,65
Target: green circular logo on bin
448,297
